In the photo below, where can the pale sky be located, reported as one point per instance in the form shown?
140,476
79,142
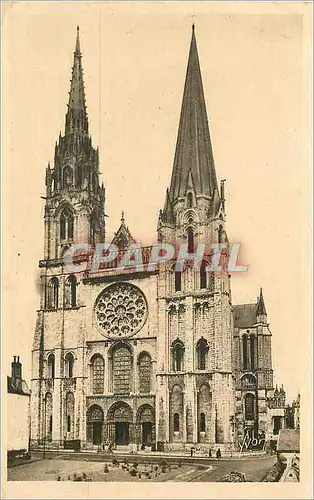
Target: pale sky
134,60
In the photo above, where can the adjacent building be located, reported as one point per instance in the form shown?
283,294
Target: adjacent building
18,411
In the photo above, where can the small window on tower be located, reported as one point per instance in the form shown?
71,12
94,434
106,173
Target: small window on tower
190,235
177,281
66,225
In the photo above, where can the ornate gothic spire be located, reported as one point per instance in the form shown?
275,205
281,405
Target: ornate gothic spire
193,156
76,117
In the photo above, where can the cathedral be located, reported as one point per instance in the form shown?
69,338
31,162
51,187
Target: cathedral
139,356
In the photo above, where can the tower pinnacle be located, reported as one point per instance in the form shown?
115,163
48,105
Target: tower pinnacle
76,117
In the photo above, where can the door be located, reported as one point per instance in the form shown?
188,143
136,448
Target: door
147,428
97,428
122,433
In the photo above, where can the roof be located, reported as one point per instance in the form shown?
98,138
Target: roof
289,440
244,315
13,389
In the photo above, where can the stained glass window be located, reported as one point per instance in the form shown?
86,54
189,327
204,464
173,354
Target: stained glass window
144,373
98,370
122,363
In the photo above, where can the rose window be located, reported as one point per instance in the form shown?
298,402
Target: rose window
121,310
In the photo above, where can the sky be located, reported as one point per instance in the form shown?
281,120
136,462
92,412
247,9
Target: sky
256,83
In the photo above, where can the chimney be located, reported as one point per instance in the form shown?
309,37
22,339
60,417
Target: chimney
16,373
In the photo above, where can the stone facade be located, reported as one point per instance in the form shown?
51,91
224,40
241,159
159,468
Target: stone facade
141,355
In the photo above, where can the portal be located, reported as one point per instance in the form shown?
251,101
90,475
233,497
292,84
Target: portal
122,433
147,429
97,428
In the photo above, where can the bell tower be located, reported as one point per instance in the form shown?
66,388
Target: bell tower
194,210
74,210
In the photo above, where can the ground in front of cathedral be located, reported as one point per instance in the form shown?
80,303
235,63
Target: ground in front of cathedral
70,469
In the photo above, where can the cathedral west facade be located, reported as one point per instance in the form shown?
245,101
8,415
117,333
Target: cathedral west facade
144,356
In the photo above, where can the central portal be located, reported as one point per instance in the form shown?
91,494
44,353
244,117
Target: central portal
122,433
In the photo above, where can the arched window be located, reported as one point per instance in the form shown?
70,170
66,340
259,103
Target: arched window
177,281
203,276
202,352
70,291
122,369
176,422
249,406
66,224
190,200
144,368
67,176
51,366
202,422
177,356
190,235
245,353
69,364
53,293
98,371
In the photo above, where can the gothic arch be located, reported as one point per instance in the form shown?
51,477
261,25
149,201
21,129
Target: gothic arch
69,365
177,351
95,424
51,365
70,291
145,423
53,293
66,223
202,349
120,412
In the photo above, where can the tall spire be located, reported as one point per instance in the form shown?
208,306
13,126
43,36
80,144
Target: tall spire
76,117
193,156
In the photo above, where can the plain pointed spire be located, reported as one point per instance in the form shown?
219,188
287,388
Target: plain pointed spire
76,117
193,149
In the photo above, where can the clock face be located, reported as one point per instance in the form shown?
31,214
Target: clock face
121,310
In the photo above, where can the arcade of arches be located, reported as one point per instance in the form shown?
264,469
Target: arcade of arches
121,425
